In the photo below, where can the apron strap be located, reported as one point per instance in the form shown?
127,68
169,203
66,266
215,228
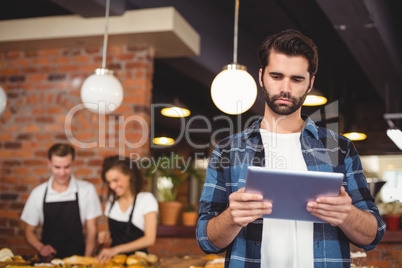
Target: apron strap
131,215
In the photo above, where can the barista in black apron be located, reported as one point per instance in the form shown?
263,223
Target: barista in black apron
125,232
62,227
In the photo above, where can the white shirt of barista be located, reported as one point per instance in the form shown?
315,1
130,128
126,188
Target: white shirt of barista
88,200
145,203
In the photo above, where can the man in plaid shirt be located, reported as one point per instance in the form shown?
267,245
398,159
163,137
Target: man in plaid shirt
230,219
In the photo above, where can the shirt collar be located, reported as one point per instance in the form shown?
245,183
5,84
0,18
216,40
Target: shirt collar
72,186
308,126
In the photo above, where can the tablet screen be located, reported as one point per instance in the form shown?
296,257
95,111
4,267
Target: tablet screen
289,191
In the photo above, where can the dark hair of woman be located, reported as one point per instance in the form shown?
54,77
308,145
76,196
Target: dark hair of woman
125,166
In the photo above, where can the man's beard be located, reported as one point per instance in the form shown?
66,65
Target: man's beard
283,109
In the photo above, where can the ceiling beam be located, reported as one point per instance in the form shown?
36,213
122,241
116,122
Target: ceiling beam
92,8
162,28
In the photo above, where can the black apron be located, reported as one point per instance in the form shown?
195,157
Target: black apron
62,227
124,232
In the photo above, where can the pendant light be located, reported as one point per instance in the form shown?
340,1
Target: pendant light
355,136
3,100
234,90
176,110
163,140
393,132
101,92
315,98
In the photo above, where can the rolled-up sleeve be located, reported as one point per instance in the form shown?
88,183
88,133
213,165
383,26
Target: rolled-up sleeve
360,194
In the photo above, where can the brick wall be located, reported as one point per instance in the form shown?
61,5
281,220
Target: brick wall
385,255
42,87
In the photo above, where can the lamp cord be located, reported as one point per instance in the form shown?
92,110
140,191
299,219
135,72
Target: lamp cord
105,37
236,22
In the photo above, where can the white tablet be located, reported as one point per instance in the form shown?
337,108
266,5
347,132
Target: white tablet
289,191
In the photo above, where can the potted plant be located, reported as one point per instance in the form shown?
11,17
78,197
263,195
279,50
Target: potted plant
168,173
190,216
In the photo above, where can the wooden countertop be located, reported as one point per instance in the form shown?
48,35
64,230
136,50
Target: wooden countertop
189,232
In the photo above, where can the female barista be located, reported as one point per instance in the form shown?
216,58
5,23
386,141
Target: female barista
132,214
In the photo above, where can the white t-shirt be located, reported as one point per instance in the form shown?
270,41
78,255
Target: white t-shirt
145,203
285,243
88,200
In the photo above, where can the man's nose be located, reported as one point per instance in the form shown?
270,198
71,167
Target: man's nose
286,85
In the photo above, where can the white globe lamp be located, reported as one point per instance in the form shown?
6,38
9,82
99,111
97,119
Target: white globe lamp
234,90
101,92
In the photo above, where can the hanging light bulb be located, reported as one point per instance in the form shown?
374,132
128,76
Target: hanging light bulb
315,98
234,90
177,109
164,141
101,92
3,100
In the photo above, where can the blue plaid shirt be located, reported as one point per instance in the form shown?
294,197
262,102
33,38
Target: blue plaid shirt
323,150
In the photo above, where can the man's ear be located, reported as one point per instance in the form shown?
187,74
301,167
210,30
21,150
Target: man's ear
260,74
49,164
311,84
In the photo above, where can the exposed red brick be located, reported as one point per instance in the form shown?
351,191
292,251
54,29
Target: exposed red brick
12,54
90,68
41,137
87,153
41,61
83,171
40,171
9,71
30,54
11,163
135,65
37,77
34,162
62,60
9,214
29,180
12,145
91,50
21,62
82,59
17,78
31,128
23,119
21,171
68,68
14,153
6,137
125,56
382,264
44,119
53,128
50,52
29,69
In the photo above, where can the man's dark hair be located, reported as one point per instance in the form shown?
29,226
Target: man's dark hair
125,166
61,149
292,43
